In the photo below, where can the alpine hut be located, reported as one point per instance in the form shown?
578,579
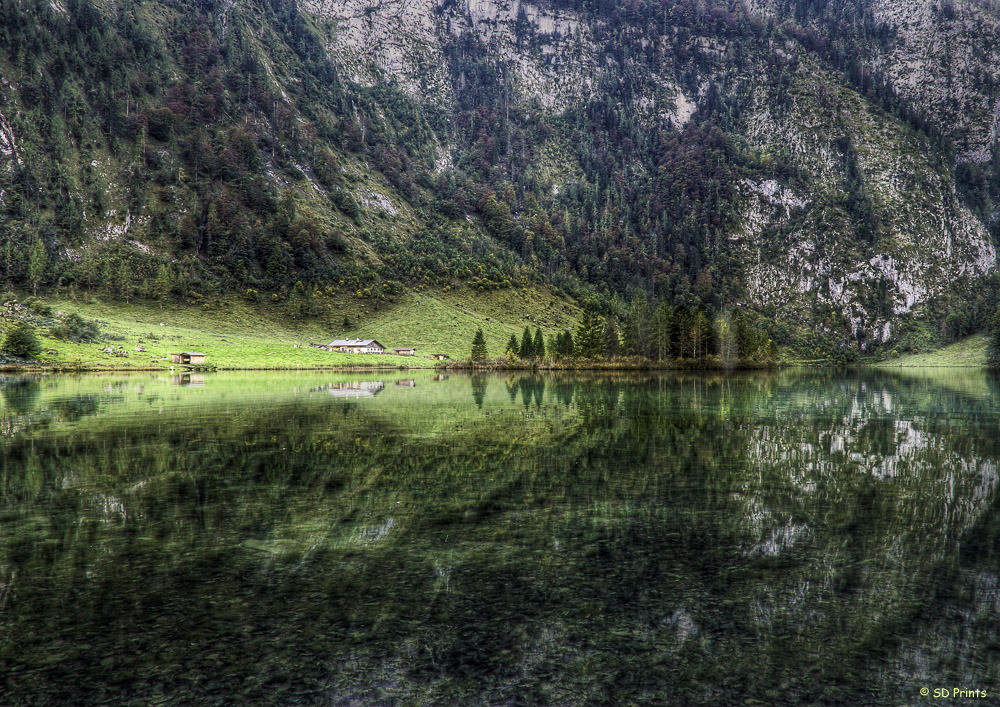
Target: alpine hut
359,346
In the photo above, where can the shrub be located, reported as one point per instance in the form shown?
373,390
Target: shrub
21,341
76,328
38,307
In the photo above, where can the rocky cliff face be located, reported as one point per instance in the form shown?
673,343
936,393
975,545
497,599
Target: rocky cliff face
865,228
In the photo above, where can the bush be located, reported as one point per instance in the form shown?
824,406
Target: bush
8,296
76,328
38,307
41,309
345,202
21,341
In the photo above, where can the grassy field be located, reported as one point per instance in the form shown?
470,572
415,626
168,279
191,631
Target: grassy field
236,334
970,351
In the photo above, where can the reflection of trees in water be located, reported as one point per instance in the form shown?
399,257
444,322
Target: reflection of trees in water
529,387
711,537
74,407
479,384
20,394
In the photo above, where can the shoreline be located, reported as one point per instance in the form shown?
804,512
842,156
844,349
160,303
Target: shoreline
588,366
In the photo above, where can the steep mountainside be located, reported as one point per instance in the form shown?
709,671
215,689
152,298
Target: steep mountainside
832,165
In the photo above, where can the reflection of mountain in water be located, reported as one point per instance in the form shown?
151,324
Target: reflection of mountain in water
353,389
829,539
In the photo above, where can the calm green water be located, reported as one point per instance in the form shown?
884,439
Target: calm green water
281,539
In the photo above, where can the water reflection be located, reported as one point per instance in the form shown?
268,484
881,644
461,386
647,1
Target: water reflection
20,393
795,538
353,389
479,383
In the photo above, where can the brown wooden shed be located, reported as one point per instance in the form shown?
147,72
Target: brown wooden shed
188,358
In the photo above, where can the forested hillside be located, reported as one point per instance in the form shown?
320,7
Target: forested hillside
789,161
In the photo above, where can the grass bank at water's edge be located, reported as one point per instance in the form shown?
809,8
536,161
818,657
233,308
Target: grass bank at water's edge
236,334
970,351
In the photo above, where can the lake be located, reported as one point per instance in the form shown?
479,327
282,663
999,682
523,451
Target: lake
802,537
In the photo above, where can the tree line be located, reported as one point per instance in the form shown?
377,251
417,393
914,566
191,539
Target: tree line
665,334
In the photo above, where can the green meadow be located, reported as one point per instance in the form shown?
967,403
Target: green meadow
970,351
237,334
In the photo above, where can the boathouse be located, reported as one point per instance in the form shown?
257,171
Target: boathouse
188,358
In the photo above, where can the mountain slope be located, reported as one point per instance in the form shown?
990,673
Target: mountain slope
795,158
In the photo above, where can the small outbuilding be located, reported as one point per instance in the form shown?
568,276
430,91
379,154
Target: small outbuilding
405,352
360,346
439,357
188,358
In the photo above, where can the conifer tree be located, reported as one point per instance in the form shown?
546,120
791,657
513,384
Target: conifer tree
993,348
663,322
590,340
162,283
636,331
512,346
746,338
479,346
37,263
567,348
527,345
612,347
539,346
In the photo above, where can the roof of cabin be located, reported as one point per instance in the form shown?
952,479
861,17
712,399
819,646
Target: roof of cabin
353,342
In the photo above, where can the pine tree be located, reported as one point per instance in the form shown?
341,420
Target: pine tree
663,323
746,338
276,270
527,345
37,263
162,283
567,347
590,339
552,347
612,347
726,334
539,347
512,346
993,348
636,333
479,346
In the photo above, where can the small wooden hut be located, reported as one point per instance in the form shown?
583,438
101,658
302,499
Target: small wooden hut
188,358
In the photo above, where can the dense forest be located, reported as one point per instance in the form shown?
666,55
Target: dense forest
680,336
180,149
